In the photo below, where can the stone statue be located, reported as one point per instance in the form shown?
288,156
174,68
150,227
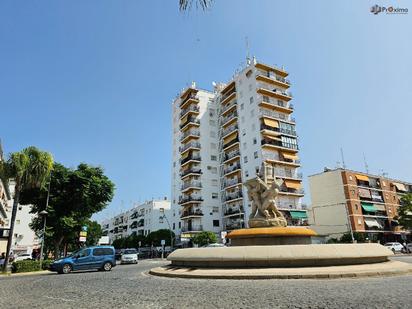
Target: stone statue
264,211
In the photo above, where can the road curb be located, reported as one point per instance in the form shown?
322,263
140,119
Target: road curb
31,273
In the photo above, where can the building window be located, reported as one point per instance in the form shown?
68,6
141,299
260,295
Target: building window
245,159
215,195
17,221
180,225
359,221
243,132
251,100
216,223
211,112
356,206
257,169
246,174
174,225
242,106
213,158
214,182
255,154
215,209
249,73
254,141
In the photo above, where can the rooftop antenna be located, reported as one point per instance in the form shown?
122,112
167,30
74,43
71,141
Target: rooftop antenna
366,164
343,158
247,51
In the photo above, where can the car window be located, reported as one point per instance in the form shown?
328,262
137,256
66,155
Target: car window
130,252
102,251
83,253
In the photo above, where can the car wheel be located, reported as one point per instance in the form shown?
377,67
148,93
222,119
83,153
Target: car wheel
107,266
67,268
393,250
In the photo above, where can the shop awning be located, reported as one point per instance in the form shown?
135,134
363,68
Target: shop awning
292,184
271,123
365,193
368,207
370,222
362,177
399,186
289,156
298,214
229,138
380,207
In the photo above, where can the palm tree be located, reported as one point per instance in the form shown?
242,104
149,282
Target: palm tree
187,4
29,169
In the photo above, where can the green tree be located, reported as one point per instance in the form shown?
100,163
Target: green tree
347,238
204,238
154,238
29,169
119,243
405,212
187,4
75,195
94,232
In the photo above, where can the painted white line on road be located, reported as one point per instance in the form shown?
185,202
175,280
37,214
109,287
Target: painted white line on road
59,298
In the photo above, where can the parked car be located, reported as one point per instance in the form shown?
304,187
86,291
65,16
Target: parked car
96,257
408,248
118,254
394,246
22,257
130,256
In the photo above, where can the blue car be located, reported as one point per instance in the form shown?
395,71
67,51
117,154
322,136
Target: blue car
97,257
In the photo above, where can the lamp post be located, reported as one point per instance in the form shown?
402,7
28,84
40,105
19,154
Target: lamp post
171,235
44,214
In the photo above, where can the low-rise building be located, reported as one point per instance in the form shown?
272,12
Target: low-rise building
345,200
142,219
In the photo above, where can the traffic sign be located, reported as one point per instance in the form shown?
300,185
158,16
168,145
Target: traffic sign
82,239
83,234
163,242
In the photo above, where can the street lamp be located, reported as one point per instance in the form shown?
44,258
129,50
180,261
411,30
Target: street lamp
171,232
43,214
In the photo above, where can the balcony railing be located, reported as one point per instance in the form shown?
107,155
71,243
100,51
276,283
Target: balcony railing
192,144
234,210
229,130
280,130
233,196
236,140
196,228
226,95
190,120
192,108
191,171
231,168
276,115
288,174
186,199
228,117
189,97
189,132
196,212
231,155
290,190
275,90
235,225
280,144
275,103
189,158
276,157
228,106
272,75
191,184
231,182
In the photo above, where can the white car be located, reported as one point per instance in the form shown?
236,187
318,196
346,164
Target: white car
22,257
408,248
129,256
394,246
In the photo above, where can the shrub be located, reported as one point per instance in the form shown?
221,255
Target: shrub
46,264
25,266
204,238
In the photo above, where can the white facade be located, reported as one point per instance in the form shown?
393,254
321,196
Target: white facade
140,220
250,129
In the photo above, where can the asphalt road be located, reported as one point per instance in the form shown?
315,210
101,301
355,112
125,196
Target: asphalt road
129,286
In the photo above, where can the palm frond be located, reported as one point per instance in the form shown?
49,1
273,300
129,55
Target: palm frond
185,5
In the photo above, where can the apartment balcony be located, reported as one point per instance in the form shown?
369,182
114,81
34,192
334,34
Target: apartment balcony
279,131
228,93
193,121
285,174
232,182
193,228
229,130
291,159
279,144
273,79
189,134
278,71
279,105
190,199
231,168
231,143
277,116
191,214
233,211
191,145
192,98
189,158
191,185
191,171
134,225
193,109
228,107
265,90
291,191
233,196
235,225
228,119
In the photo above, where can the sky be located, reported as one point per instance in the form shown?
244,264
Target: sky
93,81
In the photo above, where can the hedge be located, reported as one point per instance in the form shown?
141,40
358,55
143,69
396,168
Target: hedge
29,266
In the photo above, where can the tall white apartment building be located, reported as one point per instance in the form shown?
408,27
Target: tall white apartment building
255,134
140,220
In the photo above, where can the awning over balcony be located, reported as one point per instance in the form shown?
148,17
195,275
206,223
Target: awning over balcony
368,207
184,119
362,177
271,123
380,207
273,138
365,193
292,184
185,155
399,186
289,156
298,214
229,138
370,222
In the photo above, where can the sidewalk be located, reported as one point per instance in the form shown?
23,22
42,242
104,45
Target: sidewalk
31,273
